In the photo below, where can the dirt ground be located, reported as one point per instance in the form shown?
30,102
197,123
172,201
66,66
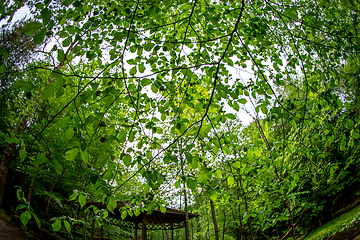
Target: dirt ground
352,233
9,231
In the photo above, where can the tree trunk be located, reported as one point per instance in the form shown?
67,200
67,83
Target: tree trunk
216,228
187,232
224,225
31,188
48,202
10,148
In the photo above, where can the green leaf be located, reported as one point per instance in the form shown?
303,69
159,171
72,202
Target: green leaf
111,204
250,153
56,226
12,140
73,196
58,167
37,220
20,206
188,157
23,85
145,82
230,180
213,195
2,9
191,184
31,27
177,184
264,109
94,178
25,217
194,164
48,91
90,119
218,174
108,175
85,156
102,160
242,100
127,160
236,106
133,71
276,67
146,188
5,54
60,91
231,116
67,226
257,151
69,133
148,46
39,36
60,55
71,154
162,209
82,200
123,214
46,15
119,36
2,68
332,171
41,158
67,42
141,68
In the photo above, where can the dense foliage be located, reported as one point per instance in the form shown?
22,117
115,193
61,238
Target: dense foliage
143,101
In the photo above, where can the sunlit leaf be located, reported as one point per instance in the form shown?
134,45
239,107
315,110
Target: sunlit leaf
31,27
41,158
56,226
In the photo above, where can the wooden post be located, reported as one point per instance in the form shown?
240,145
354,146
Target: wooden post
143,227
92,229
332,214
172,233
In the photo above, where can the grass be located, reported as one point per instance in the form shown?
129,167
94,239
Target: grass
3,214
338,224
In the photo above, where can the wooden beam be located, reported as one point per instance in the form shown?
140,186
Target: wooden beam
143,227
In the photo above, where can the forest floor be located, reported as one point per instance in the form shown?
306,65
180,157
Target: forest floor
9,231
344,227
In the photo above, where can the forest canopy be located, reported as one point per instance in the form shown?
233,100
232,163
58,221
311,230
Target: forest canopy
144,101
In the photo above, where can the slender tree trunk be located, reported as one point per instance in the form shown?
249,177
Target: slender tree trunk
291,216
6,160
224,225
31,188
187,232
48,202
216,228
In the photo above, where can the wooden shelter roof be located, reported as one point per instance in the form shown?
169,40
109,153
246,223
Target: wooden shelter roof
156,220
